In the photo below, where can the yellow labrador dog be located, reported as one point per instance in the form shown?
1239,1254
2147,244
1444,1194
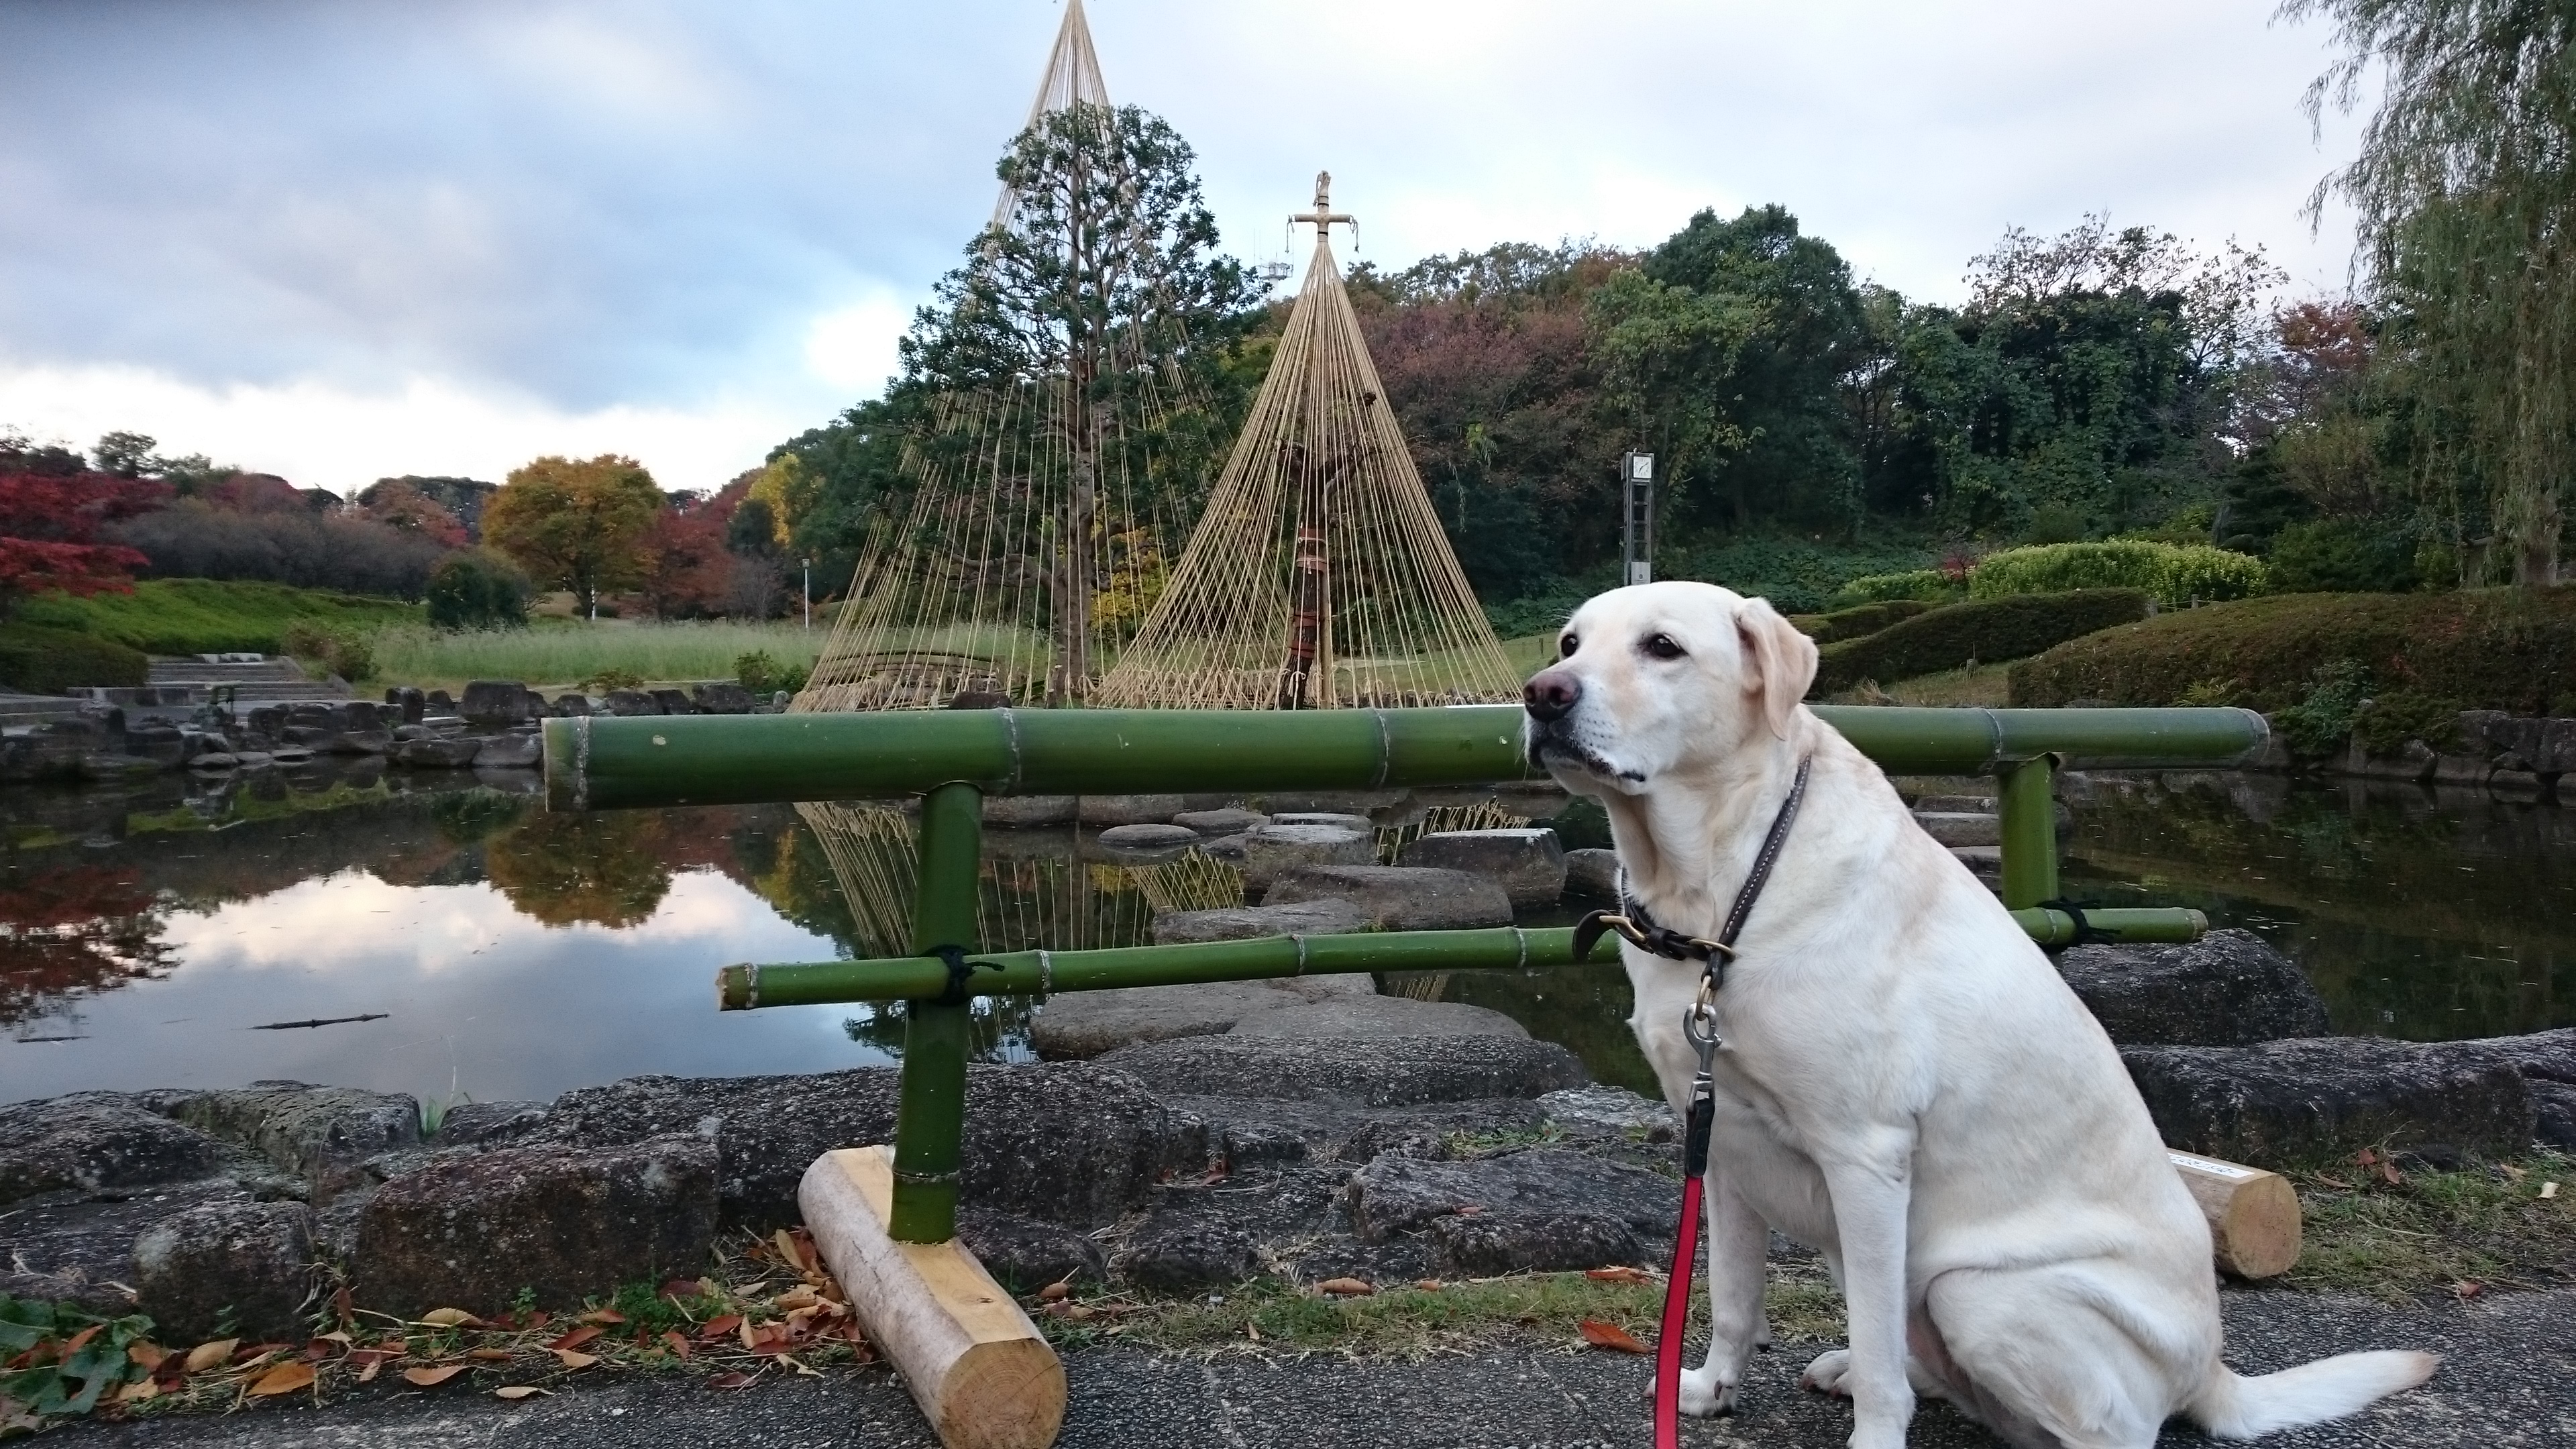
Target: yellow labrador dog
1906,1084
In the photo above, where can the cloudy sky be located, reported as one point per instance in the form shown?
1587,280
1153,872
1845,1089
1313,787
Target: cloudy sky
338,239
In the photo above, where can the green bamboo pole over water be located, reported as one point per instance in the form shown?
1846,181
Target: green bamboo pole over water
930,1118
1032,973
2027,802
609,763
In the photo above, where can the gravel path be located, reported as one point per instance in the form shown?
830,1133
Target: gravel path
2509,1380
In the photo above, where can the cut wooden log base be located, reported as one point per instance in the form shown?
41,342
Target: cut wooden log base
2254,1227
978,1367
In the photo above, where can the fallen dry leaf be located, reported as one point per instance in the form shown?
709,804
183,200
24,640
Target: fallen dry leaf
432,1376
206,1355
448,1318
375,1366
137,1391
335,1336
2509,1170
73,1344
574,1358
489,1355
1053,1291
2548,1190
791,1253
286,1378
603,1315
2468,1290
574,1339
719,1326
1345,1288
742,1331
516,1392
730,1381
1621,1274
146,1353
678,1344
1427,1285
1610,1336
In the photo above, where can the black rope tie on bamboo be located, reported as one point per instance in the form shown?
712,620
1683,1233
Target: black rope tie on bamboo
2085,931
961,973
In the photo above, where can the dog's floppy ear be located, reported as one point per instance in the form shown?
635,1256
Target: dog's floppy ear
1784,661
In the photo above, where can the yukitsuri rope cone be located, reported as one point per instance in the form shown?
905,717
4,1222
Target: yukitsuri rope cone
1319,577
1033,539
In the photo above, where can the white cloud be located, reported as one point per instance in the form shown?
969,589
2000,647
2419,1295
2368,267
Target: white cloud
319,433
853,347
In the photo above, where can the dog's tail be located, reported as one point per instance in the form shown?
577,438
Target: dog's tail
2231,1406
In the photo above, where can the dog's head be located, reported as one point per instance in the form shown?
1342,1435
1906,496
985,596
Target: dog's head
1661,680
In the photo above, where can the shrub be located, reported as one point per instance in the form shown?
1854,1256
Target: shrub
761,673
1984,630
2179,575
1930,586
477,589
192,539
1855,622
2342,556
345,654
2399,715
203,616
36,660
2507,649
2320,723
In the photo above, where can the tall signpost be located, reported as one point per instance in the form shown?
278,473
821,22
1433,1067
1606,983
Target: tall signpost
1637,516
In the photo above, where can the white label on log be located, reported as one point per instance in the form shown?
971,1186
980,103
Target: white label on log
2209,1165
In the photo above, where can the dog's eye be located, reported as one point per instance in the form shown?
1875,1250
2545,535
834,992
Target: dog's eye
1566,646
1662,646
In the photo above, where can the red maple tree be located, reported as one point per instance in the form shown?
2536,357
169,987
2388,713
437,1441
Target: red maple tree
49,527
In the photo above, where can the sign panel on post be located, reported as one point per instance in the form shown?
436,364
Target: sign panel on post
1637,516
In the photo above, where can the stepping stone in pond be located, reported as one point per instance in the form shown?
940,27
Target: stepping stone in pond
1148,837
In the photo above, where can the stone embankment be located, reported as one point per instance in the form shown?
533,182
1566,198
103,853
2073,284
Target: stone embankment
2508,756
493,727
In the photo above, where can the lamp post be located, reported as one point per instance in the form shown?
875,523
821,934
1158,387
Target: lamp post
1637,516
809,593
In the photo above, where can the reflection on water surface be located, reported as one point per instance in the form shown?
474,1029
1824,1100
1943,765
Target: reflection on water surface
163,935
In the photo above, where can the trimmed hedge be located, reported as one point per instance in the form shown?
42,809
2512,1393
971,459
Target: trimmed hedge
2179,575
207,616
1855,623
36,660
2507,649
1984,630
1929,586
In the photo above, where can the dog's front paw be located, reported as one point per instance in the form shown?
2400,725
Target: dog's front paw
1829,1371
1703,1396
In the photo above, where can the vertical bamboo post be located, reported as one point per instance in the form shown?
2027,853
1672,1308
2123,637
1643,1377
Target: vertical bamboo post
2029,809
930,1122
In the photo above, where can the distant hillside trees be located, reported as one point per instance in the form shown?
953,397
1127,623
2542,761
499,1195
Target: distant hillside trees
577,525
51,525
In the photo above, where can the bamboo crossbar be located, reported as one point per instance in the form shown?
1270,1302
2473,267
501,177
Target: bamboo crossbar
611,763
752,986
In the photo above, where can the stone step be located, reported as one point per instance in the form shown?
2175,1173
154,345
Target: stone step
1955,828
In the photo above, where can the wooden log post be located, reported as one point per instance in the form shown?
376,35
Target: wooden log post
2254,1228
979,1369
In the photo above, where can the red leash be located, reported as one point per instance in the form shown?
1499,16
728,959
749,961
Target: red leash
1677,1289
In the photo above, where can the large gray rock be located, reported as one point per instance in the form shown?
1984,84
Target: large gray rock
451,753
1332,916
2226,989
723,697
1270,851
1399,897
510,752
2288,1103
495,704
1375,1073
1025,810
1378,1018
316,1134
1528,864
1592,874
1027,1254
2547,1061
1324,817
471,1122
97,1142
1543,1209
1147,835
1244,1131
674,701
250,1261
472,1230
2534,746
1067,1141
1084,1024
1613,1110
628,703
1182,1254
1131,809
1959,828
67,1248
1231,820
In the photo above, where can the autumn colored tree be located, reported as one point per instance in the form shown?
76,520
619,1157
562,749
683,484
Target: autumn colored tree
576,525
399,505
49,525
74,931
688,573
564,870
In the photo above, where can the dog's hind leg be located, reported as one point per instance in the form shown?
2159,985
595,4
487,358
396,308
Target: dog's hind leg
2031,1354
1737,1239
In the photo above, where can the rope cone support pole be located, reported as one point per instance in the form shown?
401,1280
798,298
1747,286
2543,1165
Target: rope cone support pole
930,1121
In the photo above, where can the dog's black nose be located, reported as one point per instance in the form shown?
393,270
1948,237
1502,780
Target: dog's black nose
1550,693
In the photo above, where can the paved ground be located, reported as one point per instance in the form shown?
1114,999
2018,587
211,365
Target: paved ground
2509,1380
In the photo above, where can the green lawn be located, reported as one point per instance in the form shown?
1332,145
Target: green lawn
205,616
557,655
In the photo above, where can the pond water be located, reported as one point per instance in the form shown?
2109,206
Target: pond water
363,929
